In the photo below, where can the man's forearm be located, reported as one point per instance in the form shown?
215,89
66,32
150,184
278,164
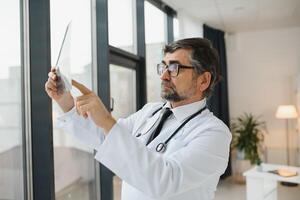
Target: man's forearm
66,102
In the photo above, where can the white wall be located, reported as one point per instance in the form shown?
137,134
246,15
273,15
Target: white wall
262,66
189,26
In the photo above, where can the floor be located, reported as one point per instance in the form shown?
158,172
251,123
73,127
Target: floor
229,190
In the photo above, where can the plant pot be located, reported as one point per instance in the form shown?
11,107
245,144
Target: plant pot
240,155
239,166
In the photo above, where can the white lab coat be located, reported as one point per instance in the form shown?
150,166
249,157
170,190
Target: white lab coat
190,167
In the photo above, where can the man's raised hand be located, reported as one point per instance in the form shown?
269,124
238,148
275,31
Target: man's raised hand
89,104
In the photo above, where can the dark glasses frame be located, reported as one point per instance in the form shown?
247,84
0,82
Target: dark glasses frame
172,68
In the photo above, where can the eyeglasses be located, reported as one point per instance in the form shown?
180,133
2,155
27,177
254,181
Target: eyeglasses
172,68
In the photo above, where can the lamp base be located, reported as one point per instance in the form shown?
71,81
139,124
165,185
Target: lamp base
288,184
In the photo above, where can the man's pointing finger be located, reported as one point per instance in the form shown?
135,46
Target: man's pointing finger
81,87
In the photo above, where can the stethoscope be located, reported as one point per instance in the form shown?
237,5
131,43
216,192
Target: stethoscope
162,146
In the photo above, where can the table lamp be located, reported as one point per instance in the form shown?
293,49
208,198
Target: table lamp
287,112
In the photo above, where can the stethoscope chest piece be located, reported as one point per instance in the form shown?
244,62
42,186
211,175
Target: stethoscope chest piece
161,147
138,135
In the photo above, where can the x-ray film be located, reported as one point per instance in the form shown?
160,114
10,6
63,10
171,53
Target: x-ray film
63,63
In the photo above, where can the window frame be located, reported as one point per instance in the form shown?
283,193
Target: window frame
37,115
38,148
170,14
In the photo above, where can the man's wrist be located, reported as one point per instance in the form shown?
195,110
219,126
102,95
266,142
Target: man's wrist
66,102
109,123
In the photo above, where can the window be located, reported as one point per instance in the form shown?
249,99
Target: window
176,28
155,40
11,146
123,90
74,162
120,24
123,93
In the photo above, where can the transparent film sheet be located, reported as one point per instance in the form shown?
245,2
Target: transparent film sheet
63,62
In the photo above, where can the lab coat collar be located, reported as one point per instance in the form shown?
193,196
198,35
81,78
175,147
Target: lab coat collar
182,112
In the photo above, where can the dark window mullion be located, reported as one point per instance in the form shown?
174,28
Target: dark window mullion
141,52
163,7
170,28
40,105
103,84
116,60
123,58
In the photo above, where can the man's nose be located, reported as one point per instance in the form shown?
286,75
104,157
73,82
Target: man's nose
165,75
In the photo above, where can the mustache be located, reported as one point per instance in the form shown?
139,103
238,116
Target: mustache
167,83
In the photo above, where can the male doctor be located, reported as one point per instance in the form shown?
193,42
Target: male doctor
166,151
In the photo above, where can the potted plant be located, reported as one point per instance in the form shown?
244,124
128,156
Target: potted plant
247,140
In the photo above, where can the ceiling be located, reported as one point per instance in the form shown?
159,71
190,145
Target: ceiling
241,15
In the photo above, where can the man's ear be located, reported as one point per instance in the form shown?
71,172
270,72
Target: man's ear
204,81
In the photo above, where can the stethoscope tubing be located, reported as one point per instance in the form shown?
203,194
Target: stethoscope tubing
161,147
148,129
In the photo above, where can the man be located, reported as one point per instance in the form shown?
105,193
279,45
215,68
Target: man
174,150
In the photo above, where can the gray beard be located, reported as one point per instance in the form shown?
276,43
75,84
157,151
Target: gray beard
174,97
171,95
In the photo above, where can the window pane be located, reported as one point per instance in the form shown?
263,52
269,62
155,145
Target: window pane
120,24
11,160
74,162
176,28
123,91
155,40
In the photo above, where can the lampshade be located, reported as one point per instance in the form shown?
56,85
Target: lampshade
286,112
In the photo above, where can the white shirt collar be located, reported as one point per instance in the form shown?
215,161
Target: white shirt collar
182,112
